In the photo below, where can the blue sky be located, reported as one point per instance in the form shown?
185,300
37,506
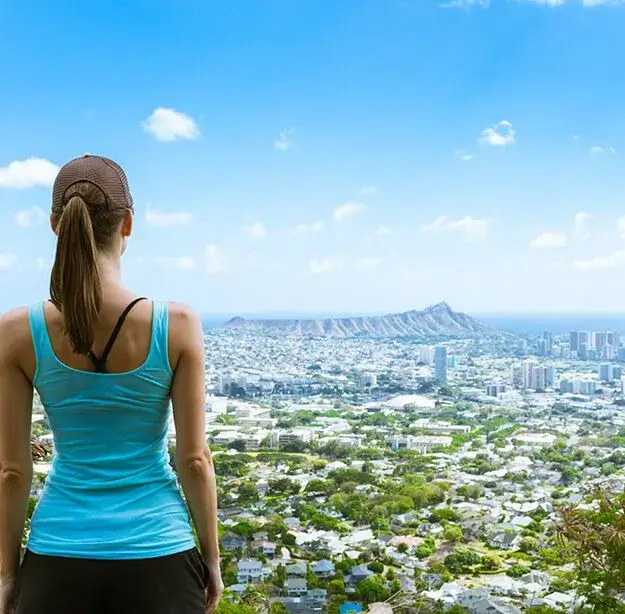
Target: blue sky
352,156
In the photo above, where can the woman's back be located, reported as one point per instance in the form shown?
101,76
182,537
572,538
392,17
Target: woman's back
110,437
111,533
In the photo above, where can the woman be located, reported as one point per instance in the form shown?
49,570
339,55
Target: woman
111,532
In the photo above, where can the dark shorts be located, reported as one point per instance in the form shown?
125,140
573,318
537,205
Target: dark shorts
173,584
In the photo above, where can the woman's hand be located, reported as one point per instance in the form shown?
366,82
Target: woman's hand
8,595
214,589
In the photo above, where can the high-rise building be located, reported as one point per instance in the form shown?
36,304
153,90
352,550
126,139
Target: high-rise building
533,376
614,339
548,343
538,379
609,373
517,377
605,373
574,340
452,362
599,339
586,386
493,390
440,365
425,355
578,386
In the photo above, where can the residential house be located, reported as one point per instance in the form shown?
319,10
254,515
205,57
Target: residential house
237,589
296,587
300,605
292,523
505,541
231,541
264,547
250,570
297,570
323,568
317,595
261,536
488,605
357,574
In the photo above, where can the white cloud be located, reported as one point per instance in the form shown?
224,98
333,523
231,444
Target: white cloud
368,264
580,229
303,229
43,263
182,262
285,141
349,208
170,125
620,223
370,189
473,229
499,135
317,267
460,155
165,220
29,217
7,261
29,173
383,231
257,230
214,259
597,150
601,262
549,239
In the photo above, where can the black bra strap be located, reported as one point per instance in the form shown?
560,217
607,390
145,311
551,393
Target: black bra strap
100,362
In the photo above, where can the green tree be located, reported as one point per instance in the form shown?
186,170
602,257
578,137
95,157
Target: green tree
596,538
336,587
232,605
518,570
283,486
528,544
452,533
491,562
372,589
318,486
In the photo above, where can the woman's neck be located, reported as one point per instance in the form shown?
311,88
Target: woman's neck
110,270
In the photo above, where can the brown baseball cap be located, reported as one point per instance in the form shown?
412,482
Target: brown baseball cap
99,171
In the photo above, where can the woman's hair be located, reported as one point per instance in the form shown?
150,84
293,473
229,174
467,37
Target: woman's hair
85,222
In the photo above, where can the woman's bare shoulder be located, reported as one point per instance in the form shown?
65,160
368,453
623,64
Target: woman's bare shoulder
185,324
15,333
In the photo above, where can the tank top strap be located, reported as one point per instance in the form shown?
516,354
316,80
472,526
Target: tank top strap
44,353
160,334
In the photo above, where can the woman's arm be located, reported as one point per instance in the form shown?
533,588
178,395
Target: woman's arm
193,459
16,465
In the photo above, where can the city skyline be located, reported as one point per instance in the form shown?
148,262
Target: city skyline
319,158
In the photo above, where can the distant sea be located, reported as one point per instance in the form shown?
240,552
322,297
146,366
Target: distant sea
529,324
555,323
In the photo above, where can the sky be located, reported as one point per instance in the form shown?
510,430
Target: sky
328,156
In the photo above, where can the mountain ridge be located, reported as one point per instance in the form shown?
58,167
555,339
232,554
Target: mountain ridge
435,320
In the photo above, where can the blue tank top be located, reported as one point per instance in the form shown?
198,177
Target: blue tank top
111,493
